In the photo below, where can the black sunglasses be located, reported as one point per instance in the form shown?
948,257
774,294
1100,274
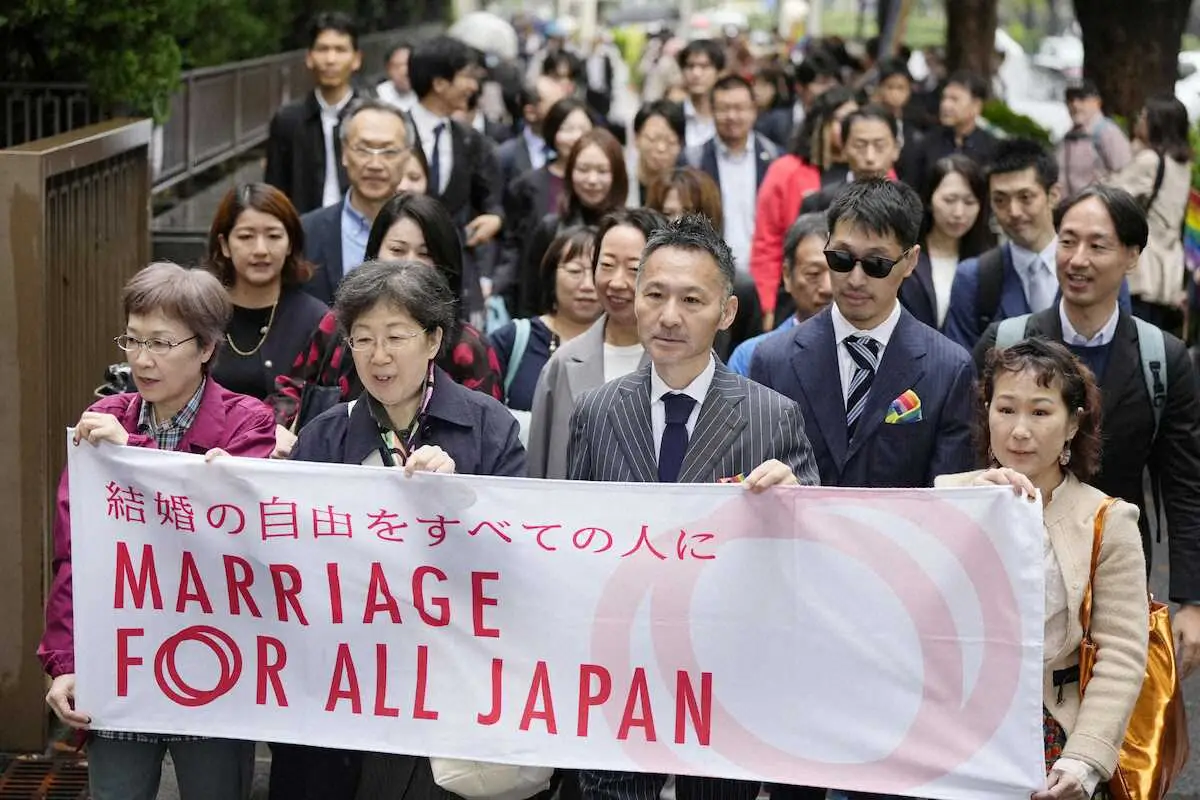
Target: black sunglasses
874,266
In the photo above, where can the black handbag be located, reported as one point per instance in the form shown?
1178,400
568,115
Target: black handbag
316,399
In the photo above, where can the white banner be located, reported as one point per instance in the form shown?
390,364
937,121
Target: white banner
869,640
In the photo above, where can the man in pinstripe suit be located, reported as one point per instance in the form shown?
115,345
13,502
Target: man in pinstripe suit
685,418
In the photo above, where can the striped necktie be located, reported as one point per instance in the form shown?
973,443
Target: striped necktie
865,352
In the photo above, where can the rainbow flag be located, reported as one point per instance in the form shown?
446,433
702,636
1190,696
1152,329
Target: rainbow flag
1191,234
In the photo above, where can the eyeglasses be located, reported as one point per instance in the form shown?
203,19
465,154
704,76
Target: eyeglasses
874,266
386,153
366,344
159,347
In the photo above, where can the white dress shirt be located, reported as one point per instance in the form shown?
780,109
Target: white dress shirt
697,130
739,188
388,93
844,329
425,122
330,116
620,360
1077,339
697,390
1040,284
943,269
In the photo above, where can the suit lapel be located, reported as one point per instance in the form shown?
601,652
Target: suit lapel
901,368
720,422
630,418
762,160
585,370
708,161
1124,365
815,362
458,188
924,273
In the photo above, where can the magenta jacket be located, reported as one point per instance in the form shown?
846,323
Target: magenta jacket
243,426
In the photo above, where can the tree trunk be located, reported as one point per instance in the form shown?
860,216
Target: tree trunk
1131,49
971,35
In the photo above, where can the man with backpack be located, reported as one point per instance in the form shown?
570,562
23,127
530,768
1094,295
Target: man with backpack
1095,147
1150,408
1018,277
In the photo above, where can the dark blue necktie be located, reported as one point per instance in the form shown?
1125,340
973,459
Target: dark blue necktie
865,352
435,161
675,436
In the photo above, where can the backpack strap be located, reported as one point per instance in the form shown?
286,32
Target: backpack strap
523,327
1159,174
1098,141
1152,348
990,287
1010,331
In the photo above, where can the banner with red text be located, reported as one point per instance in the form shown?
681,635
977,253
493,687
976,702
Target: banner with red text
870,640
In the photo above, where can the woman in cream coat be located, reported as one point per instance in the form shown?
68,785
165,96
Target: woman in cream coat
1041,413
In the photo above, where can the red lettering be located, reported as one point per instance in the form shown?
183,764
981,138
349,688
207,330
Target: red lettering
287,595
419,710
497,695
479,600
270,664
238,585
147,576
539,689
335,593
639,695
440,603
124,660
589,699
343,671
382,709
379,597
685,703
191,587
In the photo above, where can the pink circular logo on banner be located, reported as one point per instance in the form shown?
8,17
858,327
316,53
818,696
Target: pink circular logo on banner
948,728
178,690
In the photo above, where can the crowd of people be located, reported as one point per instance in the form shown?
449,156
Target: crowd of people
560,295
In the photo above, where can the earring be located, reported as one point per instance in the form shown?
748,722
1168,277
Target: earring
1065,457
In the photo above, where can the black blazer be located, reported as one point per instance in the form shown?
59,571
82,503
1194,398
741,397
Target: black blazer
917,293
514,159
704,157
776,125
323,247
296,153
917,159
1129,444
526,202
475,186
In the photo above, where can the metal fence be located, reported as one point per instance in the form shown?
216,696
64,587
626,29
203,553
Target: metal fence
216,114
74,225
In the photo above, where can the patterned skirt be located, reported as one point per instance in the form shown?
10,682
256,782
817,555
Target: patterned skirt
1056,740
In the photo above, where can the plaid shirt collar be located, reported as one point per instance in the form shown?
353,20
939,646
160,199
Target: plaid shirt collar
170,433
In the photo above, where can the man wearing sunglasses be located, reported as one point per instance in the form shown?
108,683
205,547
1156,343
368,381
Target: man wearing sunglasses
903,414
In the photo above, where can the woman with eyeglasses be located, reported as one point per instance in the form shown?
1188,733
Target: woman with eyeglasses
396,318
409,227
175,321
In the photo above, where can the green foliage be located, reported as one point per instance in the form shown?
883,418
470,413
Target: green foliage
1194,135
1002,118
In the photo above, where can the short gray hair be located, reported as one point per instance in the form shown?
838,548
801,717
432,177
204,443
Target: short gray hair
418,289
806,225
693,232
356,107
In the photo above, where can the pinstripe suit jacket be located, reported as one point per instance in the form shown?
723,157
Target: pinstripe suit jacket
741,425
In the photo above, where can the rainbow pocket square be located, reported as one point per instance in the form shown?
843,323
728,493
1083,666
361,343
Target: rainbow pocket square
904,410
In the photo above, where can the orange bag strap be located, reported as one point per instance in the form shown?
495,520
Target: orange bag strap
1085,608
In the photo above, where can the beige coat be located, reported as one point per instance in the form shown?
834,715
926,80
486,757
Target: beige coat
1096,726
1159,274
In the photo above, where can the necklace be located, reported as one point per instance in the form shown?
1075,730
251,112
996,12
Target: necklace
264,331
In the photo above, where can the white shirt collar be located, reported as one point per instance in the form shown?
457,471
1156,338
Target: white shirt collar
1022,258
426,119
697,389
1103,336
480,122
882,333
725,152
335,108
